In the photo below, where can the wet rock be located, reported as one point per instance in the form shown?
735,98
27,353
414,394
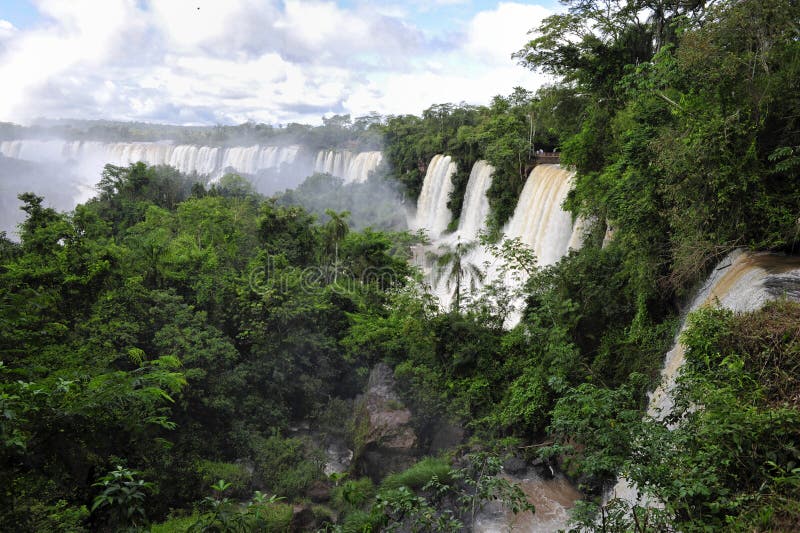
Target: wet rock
303,519
319,492
514,465
543,468
385,440
446,436
338,458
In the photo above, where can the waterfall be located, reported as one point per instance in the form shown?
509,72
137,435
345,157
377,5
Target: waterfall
538,219
432,212
474,210
741,282
361,165
476,205
188,158
352,168
552,498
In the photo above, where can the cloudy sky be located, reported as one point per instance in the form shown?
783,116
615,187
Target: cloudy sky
273,61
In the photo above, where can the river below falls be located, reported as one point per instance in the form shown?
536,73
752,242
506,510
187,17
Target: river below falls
552,498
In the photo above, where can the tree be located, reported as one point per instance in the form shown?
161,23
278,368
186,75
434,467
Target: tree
335,230
454,264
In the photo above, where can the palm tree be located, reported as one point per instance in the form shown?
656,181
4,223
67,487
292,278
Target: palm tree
452,262
335,230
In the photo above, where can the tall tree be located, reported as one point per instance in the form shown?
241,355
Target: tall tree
453,262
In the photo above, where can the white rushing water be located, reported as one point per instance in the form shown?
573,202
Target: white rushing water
540,222
188,158
741,282
476,205
538,219
432,213
351,167
475,209
206,160
552,499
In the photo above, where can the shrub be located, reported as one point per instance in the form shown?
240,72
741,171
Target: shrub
283,467
238,476
420,474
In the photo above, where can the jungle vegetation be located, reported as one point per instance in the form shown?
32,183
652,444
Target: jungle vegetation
160,342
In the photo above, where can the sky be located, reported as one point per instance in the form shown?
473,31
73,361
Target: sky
272,61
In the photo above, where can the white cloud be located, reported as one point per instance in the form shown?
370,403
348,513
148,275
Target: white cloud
6,28
494,35
246,59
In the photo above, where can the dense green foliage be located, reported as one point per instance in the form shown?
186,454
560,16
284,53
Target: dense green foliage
726,457
170,329
372,204
688,150
683,132
735,462
411,142
162,344
431,496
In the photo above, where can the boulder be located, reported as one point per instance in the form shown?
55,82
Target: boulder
303,519
385,440
319,492
514,466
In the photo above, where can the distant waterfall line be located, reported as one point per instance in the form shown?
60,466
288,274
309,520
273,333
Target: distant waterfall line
188,158
351,167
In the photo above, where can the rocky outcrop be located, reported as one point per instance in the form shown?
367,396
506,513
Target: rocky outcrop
319,492
385,441
303,519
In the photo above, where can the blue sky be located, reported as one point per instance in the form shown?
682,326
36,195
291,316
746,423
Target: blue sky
20,13
271,61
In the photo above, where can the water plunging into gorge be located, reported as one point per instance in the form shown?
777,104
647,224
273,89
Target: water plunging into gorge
741,282
351,167
432,213
538,221
187,158
476,204
289,164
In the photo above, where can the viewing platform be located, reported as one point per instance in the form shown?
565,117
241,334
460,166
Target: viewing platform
548,158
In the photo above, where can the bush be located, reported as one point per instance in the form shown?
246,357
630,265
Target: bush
420,474
240,478
352,494
178,524
733,461
283,467
361,521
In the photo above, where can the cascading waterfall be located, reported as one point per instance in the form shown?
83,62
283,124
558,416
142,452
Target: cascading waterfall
538,219
352,168
476,205
540,222
432,212
741,282
206,160
361,166
474,211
